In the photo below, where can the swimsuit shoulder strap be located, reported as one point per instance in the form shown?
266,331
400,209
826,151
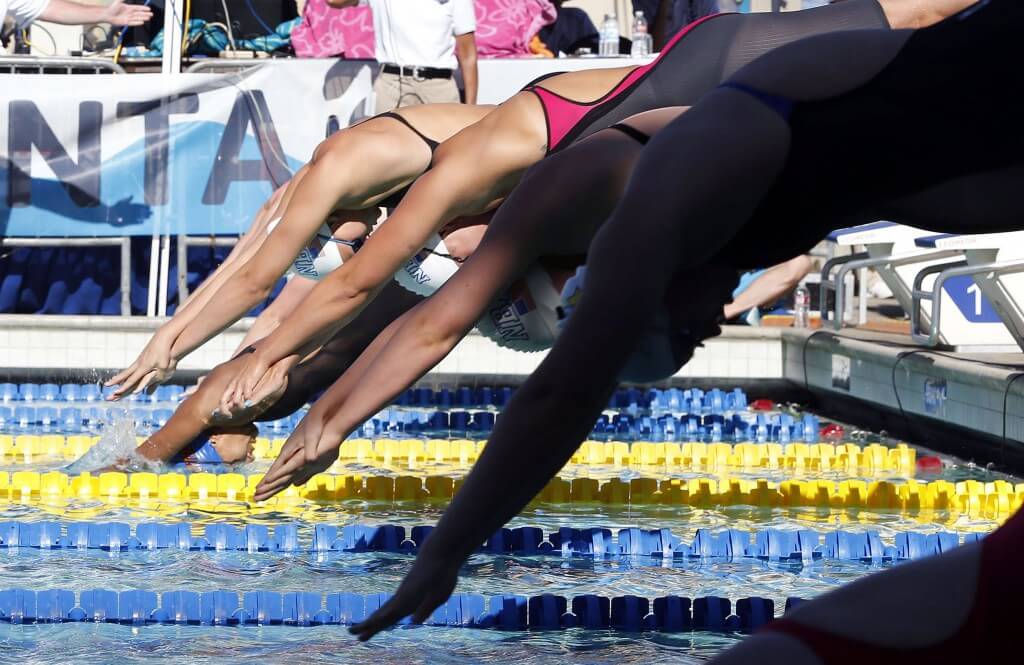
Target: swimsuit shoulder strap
431,143
542,77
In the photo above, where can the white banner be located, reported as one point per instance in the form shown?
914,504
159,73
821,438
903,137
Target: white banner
108,155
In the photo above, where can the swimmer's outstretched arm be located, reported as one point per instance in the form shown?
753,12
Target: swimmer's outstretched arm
633,257
314,200
473,171
154,365
193,416
402,353
553,211
297,288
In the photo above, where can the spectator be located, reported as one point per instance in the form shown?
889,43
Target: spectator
325,32
419,43
571,30
765,288
505,30
666,17
68,12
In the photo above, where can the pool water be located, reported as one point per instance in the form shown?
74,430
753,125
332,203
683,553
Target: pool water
379,572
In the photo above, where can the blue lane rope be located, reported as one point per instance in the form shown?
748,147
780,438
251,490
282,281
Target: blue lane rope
595,542
672,415
268,608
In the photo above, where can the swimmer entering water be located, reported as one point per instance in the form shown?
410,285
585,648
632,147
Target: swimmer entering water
478,167
871,105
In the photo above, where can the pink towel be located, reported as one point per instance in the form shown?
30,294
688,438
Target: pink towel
504,28
326,32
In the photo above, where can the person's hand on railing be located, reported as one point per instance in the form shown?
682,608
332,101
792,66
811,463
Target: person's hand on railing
70,12
154,366
118,13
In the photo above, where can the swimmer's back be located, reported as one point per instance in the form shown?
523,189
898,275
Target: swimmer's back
707,52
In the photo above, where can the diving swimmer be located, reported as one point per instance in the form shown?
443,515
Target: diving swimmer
478,167
869,104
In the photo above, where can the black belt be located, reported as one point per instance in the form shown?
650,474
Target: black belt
419,73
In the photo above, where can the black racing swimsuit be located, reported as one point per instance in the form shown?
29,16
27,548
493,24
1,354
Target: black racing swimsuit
930,136
699,57
394,199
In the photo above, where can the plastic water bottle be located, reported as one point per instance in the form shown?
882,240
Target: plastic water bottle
609,43
801,307
641,38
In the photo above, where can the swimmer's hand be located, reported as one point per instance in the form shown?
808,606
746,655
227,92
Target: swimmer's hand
154,366
252,409
311,449
119,13
430,581
256,381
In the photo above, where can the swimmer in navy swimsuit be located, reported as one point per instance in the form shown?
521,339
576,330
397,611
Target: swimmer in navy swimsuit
926,111
477,168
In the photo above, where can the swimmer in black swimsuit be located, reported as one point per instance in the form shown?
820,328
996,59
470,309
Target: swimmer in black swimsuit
872,121
476,169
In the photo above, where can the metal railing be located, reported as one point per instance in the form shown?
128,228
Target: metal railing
184,242
34,64
125,243
224,65
1008,310
859,261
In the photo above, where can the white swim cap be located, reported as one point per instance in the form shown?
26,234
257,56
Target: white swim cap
428,269
524,319
654,358
320,257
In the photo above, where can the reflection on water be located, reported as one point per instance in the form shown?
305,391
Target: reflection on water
366,573
76,643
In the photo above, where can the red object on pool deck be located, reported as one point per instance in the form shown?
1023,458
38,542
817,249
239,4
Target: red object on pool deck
762,405
929,463
832,431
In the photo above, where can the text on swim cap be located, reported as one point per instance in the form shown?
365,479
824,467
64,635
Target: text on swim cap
505,318
304,263
413,269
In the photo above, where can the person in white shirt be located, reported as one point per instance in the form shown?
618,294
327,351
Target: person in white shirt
24,12
419,43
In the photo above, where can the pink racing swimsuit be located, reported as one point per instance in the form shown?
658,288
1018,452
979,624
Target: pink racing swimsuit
697,59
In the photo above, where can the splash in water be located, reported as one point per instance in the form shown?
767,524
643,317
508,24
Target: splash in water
115,448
